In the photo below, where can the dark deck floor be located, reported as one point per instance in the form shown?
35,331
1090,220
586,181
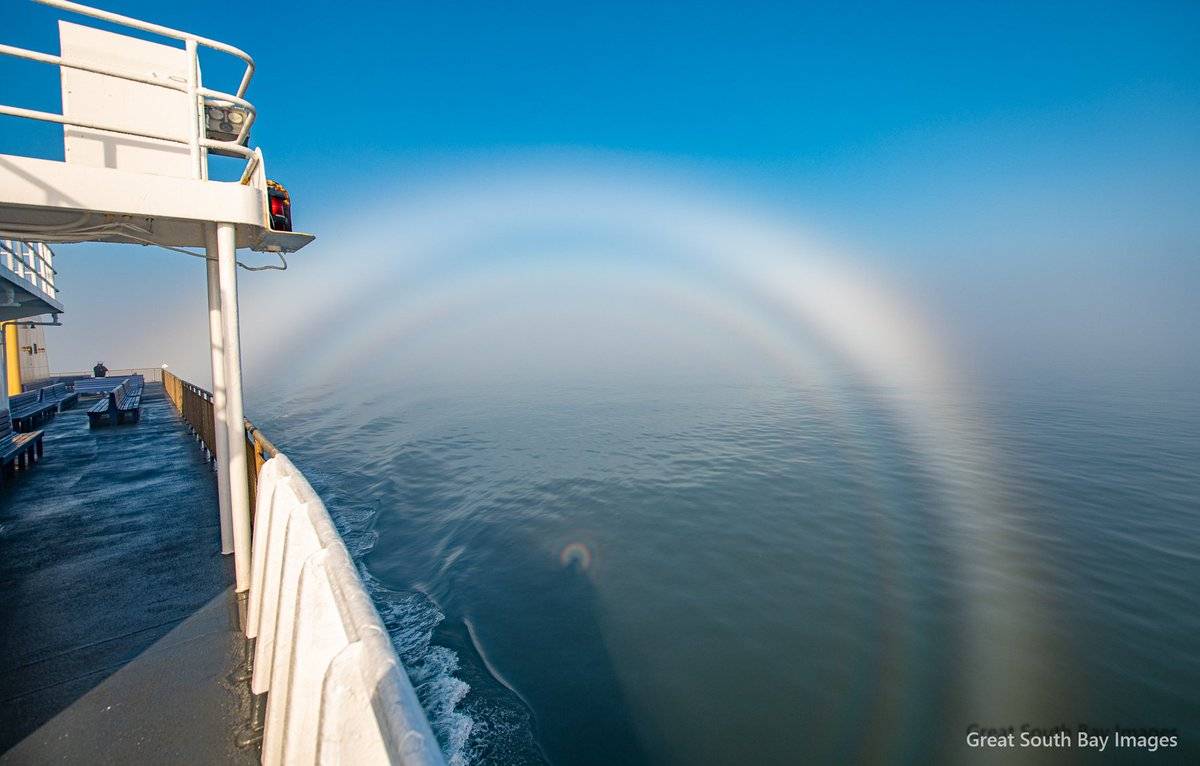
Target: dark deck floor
119,639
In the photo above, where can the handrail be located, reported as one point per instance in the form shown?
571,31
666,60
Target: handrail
158,29
336,690
196,406
34,114
217,96
148,374
34,250
35,267
196,137
6,247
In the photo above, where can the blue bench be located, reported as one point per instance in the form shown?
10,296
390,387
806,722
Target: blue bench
17,450
96,386
125,399
58,395
28,409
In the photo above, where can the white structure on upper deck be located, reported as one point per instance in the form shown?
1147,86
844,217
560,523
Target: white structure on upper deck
27,280
138,127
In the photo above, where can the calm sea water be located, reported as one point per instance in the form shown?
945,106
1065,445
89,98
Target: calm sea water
768,573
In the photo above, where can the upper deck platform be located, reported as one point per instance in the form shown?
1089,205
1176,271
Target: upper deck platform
27,280
120,641
139,127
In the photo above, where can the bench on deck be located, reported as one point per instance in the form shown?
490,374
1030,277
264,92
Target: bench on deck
28,409
17,450
58,395
96,386
125,399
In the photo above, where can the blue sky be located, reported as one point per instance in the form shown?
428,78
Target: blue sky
775,88
989,154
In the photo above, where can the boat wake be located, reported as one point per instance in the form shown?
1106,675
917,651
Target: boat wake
410,619
476,718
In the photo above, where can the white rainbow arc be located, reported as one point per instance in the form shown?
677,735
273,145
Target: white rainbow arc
784,280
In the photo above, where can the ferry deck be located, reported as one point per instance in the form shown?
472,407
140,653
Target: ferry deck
121,641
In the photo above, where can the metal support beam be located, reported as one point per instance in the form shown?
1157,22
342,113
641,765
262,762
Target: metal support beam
239,490
12,357
3,370
217,357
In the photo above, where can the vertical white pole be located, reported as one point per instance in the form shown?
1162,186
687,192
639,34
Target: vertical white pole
239,490
215,327
217,357
193,85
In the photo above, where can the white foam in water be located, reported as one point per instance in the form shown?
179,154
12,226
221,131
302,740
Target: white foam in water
410,619
474,729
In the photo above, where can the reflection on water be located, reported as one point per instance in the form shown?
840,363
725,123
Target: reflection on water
763,573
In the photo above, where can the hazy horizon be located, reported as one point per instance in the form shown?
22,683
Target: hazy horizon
1105,310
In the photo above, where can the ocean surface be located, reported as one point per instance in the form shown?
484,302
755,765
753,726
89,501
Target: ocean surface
770,572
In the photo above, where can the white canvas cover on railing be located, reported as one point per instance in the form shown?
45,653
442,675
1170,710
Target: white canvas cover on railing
336,692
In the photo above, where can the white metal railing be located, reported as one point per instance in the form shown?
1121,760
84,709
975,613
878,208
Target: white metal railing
149,374
336,691
197,139
32,262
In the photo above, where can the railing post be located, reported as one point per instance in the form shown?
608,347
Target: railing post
193,85
239,491
254,465
217,358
